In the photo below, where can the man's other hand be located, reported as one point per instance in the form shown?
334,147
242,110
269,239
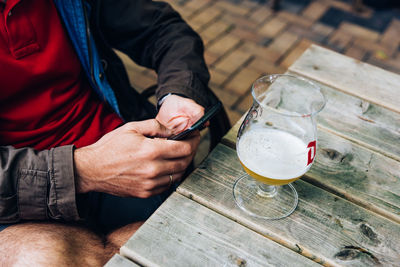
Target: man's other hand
179,113
133,160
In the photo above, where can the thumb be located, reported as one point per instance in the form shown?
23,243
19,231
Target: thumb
178,123
149,128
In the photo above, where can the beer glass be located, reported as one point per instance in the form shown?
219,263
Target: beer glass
276,144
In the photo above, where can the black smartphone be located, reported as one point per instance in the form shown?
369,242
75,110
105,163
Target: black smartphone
198,125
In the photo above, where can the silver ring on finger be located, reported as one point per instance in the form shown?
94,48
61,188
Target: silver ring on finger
171,180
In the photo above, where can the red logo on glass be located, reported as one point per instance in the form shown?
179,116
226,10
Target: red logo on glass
312,151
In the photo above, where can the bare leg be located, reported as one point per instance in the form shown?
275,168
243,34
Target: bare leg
56,244
51,244
119,237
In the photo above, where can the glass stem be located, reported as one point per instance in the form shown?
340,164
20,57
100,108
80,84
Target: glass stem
265,190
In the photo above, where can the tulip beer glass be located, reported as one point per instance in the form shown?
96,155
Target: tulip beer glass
276,144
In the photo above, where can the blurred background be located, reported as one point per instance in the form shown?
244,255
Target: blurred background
245,39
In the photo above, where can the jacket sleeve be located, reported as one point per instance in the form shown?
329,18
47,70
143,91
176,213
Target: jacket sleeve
155,36
37,185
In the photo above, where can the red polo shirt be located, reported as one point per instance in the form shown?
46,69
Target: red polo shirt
45,100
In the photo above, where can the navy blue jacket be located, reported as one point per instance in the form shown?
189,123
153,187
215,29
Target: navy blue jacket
152,34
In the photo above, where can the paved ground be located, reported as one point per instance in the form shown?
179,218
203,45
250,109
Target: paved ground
245,39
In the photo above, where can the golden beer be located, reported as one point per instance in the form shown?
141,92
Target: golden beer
267,180
273,157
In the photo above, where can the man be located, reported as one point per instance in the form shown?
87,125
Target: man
75,138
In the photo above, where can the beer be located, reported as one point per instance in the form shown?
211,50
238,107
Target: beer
271,156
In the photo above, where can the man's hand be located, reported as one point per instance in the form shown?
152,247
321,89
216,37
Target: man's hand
179,113
126,162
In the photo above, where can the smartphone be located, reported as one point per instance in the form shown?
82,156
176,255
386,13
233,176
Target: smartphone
198,125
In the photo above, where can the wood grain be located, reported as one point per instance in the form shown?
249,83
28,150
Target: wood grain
353,172
184,233
364,123
326,228
367,124
351,76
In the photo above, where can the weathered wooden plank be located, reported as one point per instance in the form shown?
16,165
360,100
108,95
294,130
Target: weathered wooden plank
324,227
119,261
367,124
368,82
352,171
359,174
184,233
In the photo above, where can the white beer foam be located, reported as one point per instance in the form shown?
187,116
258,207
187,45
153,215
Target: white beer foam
273,153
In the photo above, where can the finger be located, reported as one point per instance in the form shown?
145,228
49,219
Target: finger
166,167
168,180
150,128
194,117
178,123
158,190
194,136
164,183
171,149
176,106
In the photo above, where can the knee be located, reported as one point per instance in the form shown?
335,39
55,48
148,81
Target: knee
47,244
120,236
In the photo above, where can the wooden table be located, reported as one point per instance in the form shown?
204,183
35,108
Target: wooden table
349,202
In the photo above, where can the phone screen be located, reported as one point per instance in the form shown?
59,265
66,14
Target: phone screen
198,125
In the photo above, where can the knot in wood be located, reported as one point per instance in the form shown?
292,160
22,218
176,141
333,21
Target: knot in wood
368,232
335,155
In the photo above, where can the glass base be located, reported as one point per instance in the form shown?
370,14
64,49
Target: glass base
264,201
